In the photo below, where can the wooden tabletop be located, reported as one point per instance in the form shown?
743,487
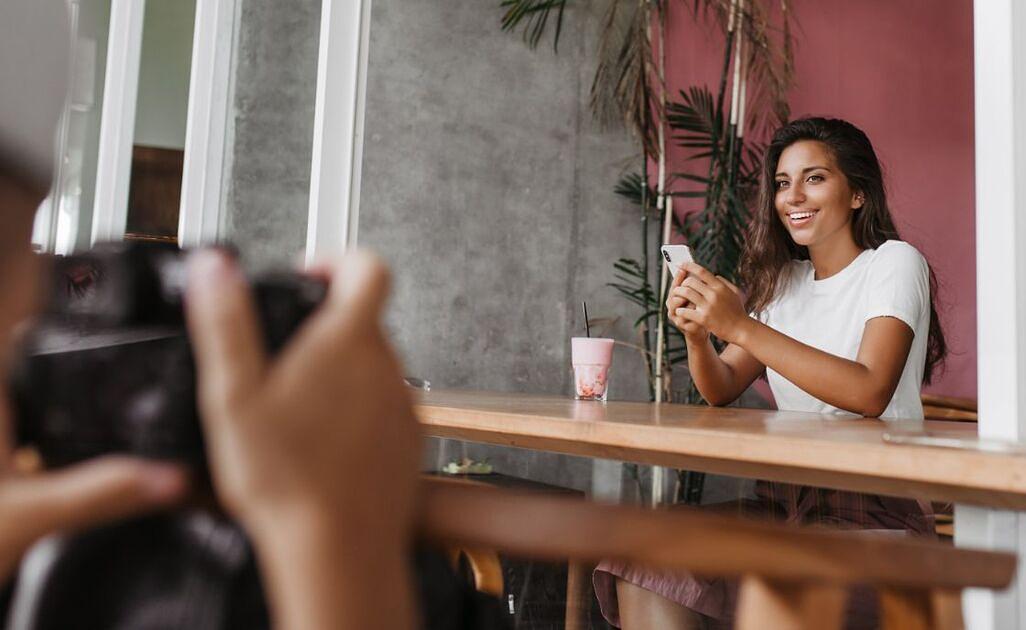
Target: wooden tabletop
811,449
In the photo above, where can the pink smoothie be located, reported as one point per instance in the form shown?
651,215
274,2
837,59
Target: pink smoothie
591,358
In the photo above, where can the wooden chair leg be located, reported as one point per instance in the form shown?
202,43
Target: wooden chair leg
906,609
485,567
487,570
578,595
767,605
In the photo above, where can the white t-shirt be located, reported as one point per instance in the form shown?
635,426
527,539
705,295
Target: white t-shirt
831,314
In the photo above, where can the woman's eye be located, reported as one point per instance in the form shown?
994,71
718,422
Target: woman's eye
815,178
781,184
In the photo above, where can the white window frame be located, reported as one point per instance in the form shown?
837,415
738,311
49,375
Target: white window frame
210,81
206,128
117,121
336,164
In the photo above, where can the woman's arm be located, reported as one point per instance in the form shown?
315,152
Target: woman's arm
864,386
719,377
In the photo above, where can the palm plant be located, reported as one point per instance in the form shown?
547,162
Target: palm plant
719,177
534,15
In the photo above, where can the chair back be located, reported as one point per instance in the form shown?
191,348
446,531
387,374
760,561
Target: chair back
949,408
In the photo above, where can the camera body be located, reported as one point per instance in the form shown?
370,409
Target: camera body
108,367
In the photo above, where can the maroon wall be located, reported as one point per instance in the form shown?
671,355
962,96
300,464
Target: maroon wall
901,70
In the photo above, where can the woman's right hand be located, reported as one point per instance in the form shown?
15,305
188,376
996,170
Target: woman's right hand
693,332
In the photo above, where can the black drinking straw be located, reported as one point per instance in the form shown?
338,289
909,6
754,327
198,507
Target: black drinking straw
587,324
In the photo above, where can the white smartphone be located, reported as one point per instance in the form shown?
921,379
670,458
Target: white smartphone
675,256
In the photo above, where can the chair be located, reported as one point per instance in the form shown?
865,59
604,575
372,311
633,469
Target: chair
951,409
485,568
790,578
948,408
484,564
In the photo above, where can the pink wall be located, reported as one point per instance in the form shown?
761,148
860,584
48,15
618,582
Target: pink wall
902,71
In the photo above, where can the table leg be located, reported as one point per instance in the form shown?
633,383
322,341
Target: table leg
606,481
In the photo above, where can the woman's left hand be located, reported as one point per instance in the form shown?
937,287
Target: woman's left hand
716,303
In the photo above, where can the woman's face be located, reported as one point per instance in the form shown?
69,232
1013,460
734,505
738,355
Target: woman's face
813,198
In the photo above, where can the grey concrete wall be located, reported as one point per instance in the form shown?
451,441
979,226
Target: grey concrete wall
271,129
487,187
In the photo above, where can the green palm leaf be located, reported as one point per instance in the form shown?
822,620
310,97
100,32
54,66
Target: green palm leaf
534,16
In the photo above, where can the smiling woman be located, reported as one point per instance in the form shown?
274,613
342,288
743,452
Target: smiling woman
827,167
838,316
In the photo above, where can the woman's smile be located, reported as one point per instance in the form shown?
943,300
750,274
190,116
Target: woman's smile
801,218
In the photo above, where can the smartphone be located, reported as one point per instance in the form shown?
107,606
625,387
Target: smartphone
675,256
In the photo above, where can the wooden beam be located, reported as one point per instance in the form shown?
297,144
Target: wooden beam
558,527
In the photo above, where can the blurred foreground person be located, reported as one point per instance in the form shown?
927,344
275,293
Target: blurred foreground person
32,78
314,453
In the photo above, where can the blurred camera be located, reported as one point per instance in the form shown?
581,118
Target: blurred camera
108,368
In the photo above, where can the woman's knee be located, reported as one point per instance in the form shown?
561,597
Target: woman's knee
642,609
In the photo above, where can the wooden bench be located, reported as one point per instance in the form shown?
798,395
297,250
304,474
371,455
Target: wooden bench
790,577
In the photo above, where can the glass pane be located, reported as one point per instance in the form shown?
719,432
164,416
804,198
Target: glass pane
65,219
160,120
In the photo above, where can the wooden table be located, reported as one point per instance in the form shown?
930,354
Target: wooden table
811,449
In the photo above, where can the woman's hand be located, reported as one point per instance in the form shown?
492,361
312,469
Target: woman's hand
716,303
693,331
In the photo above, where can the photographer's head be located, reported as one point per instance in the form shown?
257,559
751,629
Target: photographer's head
34,60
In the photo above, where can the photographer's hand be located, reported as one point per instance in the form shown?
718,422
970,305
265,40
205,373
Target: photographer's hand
315,452
34,504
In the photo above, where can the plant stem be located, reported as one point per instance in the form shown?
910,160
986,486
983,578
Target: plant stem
665,213
644,266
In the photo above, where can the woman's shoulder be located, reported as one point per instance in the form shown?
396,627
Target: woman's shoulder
795,275
895,253
795,272
796,267
897,249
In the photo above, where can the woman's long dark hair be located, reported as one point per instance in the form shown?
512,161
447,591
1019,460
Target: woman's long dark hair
768,246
